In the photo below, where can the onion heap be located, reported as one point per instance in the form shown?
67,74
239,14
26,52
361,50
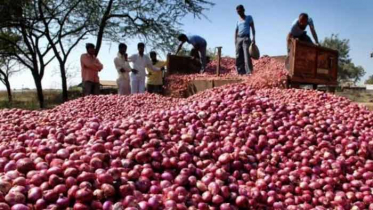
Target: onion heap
228,148
268,73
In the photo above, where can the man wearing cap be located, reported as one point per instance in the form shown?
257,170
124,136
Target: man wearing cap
298,30
123,68
243,41
90,67
199,45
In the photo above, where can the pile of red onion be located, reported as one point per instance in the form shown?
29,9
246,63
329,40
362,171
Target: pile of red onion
268,73
228,148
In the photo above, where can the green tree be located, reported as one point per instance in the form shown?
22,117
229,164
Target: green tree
25,38
66,23
346,68
7,69
157,23
369,81
51,29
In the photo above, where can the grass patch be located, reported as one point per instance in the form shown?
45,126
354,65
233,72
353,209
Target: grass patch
360,97
28,99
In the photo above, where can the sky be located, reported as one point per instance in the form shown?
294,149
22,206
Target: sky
351,19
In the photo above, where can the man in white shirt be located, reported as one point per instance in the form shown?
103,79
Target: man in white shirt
140,62
123,68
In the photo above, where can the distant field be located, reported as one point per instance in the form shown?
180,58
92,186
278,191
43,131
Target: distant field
360,97
28,99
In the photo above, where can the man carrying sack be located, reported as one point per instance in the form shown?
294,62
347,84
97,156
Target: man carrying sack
243,42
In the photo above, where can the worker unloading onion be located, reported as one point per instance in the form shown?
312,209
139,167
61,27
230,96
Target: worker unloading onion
199,45
298,30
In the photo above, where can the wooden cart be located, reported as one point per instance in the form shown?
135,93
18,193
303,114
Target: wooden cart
312,65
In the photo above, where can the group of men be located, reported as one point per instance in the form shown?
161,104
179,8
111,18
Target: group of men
132,79
149,71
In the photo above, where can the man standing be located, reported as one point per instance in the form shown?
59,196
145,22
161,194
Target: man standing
90,67
199,45
139,63
123,68
242,39
298,30
154,81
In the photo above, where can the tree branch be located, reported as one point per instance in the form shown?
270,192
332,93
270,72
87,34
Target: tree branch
50,60
77,41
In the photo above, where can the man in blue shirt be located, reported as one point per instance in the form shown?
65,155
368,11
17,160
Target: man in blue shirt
298,30
199,45
243,41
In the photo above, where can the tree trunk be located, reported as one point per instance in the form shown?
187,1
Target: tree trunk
39,89
8,89
102,26
65,95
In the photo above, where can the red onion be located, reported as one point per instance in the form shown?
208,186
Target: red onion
96,205
80,206
108,205
84,195
62,202
40,204
5,187
13,198
70,181
34,194
108,190
71,172
4,206
86,176
234,147
50,196
154,202
241,201
25,165
20,207
105,178
21,181
60,189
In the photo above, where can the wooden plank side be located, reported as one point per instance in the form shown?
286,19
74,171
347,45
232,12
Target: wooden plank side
305,61
293,49
182,64
311,64
313,81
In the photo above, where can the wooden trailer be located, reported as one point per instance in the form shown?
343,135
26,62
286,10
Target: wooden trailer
309,64
182,65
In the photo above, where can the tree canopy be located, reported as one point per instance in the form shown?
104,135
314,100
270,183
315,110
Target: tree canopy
36,32
369,81
347,70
